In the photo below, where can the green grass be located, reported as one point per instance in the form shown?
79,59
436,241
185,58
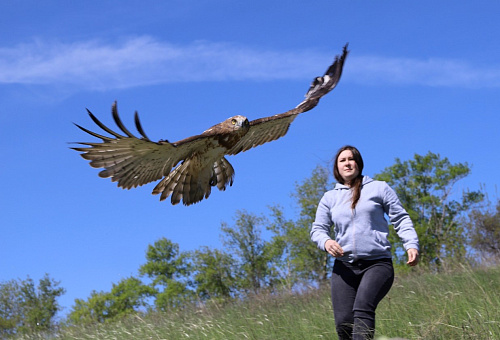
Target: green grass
460,305
464,304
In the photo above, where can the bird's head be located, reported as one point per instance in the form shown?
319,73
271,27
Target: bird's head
237,122
232,125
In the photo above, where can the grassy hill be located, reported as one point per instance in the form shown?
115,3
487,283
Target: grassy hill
463,304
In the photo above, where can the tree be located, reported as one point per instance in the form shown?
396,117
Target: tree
252,252
25,308
484,230
129,295
10,307
213,276
301,260
424,186
166,266
280,247
125,298
307,258
95,310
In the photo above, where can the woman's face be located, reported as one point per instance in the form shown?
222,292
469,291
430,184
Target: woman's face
348,168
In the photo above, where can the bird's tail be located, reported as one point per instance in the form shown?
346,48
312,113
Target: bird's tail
190,184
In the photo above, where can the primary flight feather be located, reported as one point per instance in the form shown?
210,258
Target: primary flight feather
192,166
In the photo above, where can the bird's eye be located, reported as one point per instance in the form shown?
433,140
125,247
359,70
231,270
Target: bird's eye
233,121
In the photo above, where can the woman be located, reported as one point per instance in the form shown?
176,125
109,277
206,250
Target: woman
363,272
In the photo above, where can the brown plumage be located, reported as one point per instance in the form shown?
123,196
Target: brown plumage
198,160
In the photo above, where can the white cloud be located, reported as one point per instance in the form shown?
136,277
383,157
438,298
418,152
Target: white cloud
431,72
144,61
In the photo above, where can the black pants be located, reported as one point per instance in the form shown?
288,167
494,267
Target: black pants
357,288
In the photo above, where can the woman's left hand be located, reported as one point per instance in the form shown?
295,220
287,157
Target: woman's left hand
412,257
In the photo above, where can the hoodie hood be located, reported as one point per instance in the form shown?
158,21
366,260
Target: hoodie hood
363,233
366,180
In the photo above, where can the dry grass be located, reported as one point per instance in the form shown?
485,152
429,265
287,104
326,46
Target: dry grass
463,304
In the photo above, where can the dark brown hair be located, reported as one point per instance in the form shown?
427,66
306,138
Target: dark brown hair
356,183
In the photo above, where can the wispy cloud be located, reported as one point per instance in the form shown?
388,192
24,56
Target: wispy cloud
431,72
145,61
139,61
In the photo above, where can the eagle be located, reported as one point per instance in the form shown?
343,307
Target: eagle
189,168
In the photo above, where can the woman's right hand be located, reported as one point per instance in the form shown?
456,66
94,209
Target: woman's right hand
333,248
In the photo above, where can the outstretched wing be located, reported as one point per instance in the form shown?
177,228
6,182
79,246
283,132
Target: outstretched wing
133,161
267,129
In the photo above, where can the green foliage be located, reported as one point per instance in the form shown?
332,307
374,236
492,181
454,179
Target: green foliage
124,298
307,258
25,308
484,230
165,266
205,292
424,186
252,253
10,307
186,284
461,304
214,277
174,294
301,260
164,261
280,248
129,294
95,309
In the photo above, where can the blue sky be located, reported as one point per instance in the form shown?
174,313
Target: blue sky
421,76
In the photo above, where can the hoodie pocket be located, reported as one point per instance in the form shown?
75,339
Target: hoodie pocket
381,239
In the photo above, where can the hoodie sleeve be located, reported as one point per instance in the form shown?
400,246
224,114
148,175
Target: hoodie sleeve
400,219
321,227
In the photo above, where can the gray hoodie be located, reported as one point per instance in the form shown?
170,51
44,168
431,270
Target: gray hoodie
362,233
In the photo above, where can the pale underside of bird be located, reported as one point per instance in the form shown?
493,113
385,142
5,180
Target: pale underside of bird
189,168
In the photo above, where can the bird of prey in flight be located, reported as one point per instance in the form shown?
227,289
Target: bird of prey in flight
189,168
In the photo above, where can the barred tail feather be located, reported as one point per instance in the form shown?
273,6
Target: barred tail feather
223,174
190,184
